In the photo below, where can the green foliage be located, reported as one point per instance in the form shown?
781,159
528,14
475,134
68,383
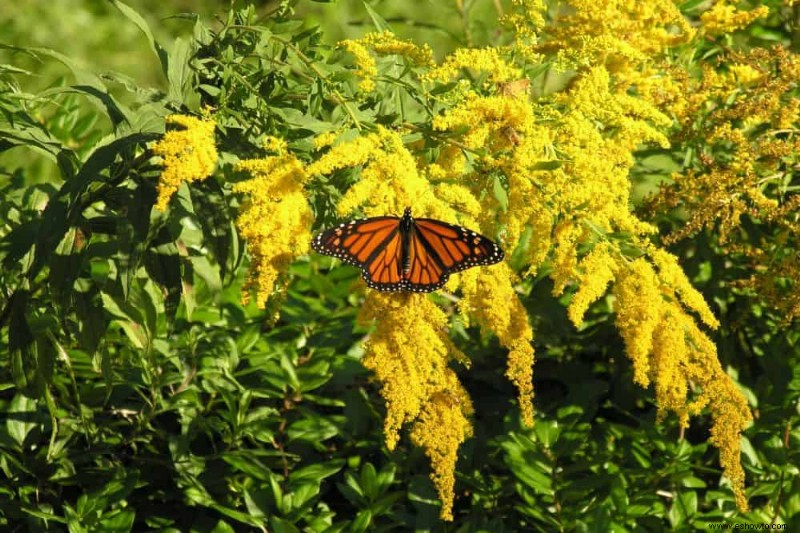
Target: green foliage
137,392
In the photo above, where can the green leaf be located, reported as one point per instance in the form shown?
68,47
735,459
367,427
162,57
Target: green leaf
212,211
21,417
500,193
316,472
165,269
179,68
247,464
237,515
352,491
40,140
362,521
313,428
65,267
120,520
379,22
547,432
98,94
47,516
369,481
279,525
222,527
548,165
132,327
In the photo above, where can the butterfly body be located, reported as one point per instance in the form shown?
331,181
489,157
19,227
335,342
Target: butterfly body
406,254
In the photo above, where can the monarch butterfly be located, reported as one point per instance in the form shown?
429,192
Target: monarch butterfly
406,254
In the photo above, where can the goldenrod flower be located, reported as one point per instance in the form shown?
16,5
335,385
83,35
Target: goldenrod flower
275,220
751,129
597,270
385,43
442,426
489,297
638,314
409,352
486,60
671,274
724,18
382,43
669,350
275,145
410,349
324,139
366,66
188,154
390,180
619,35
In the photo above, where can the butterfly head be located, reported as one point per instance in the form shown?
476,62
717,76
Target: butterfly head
406,221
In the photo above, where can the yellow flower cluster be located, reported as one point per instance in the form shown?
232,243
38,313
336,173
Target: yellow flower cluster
382,43
489,296
566,160
275,220
188,154
748,114
665,345
616,34
668,349
484,60
324,139
409,352
451,410
526,21
726,18
389,180
595,271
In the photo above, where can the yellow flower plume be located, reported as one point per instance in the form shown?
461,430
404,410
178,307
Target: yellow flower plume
410,349
409,353
724,18
188,154
489,296
668,349
382,44
276,218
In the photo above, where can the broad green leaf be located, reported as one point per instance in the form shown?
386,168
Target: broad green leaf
316,472
99,95
369,481
135,331
21,417
178,68
362,521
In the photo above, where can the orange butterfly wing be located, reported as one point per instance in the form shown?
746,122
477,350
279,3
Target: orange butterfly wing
448,249
372,244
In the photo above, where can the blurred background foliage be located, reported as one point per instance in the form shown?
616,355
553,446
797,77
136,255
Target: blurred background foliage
137,392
